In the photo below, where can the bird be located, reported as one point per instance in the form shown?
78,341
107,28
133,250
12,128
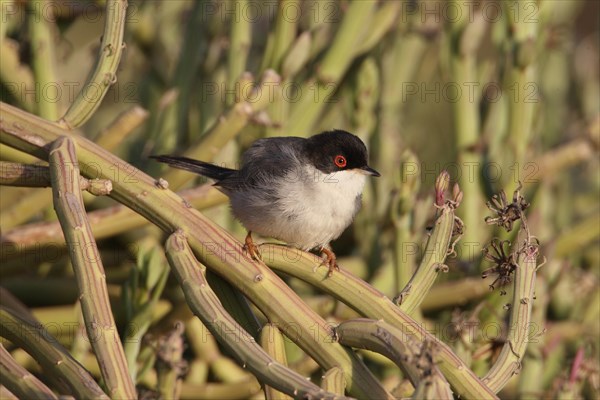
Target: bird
302,191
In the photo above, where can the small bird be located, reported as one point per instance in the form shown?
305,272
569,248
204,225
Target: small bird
303,191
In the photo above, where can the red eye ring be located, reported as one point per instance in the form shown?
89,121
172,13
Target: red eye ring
340,161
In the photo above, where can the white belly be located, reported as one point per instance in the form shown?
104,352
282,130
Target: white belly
305,212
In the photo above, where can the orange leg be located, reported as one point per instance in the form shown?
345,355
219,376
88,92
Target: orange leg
251,248
330,260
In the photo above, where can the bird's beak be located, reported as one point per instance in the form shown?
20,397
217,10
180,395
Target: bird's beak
369,171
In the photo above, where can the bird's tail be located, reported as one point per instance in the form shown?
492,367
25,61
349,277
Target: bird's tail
199,167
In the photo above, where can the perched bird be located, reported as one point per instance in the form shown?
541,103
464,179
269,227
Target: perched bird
302,191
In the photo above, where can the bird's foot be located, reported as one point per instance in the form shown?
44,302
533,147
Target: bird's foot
330,260
251,248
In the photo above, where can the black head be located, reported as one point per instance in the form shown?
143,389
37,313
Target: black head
338,150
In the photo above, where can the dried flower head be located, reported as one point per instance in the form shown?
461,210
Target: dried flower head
498,252
506,213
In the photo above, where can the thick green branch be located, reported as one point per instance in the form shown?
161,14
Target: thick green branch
15,174
371,303
241,40
54,359
206,305
466,36
520,330
105,71
89,272
42,29
20,381
438,247
417,360
118,130
272,340
383,338
333,380
12,71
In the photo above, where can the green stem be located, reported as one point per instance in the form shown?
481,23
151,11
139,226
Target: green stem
20,381
348,37
141,322
14,174
54,359
316,94
187,70
285,31
399,67
89,272
534,365
383,338
239,47
118,130
12,71
465,39
522,77
235,303
24,209
437,248
105,71
14,155
238,390
416,360
333,381
384,19
455,294
272,340
370,303
205,304
576,237
297,57
42,30
520,330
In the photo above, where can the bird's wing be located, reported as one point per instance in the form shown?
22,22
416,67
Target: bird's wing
269,159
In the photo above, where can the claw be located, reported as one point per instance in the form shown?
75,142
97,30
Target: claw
251,248
330,260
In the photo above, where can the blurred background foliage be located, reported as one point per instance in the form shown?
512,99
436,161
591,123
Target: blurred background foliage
496,93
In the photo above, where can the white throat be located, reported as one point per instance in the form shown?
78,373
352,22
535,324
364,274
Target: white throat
325,203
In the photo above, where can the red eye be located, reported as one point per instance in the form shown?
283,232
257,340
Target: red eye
340,161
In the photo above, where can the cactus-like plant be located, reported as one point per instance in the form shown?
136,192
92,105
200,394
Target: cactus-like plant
408,314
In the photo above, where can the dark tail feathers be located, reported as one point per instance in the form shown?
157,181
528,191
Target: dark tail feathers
199,167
